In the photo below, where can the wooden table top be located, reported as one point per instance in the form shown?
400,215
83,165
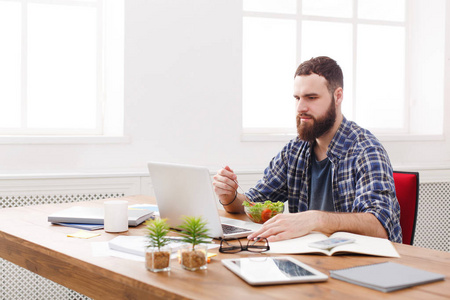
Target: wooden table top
30,241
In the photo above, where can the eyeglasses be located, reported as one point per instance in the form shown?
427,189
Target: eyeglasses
235,246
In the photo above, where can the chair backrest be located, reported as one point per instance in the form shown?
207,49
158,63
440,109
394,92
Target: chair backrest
407,190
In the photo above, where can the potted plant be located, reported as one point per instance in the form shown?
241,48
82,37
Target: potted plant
157,256
194,255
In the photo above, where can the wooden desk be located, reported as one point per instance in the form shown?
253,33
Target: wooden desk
28,240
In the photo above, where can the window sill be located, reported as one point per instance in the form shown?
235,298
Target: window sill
267,137
64,139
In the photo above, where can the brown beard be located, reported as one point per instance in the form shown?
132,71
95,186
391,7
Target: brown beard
310,132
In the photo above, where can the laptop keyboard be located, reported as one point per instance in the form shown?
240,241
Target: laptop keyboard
227,229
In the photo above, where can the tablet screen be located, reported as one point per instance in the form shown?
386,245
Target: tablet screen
282,267
273,270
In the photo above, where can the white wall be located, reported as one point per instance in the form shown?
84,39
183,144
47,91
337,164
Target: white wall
182,100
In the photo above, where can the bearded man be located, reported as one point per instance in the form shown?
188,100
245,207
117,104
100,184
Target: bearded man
335,175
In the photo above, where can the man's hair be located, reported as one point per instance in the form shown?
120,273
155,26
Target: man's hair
325,67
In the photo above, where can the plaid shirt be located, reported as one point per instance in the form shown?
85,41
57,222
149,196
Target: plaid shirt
361,176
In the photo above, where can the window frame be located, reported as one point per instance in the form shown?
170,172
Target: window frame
400,134
24,134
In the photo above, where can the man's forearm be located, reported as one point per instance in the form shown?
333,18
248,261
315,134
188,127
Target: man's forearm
359,223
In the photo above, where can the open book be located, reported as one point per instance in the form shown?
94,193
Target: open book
362,245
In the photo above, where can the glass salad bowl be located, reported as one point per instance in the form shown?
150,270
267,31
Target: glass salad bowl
260,212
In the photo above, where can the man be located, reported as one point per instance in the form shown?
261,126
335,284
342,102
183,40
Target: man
336,176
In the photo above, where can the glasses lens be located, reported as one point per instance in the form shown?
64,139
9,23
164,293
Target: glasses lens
260,245
230,246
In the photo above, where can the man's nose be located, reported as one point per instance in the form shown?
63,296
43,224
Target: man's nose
301,106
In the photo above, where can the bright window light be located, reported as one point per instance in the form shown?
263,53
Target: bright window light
61,67
10,62
260,69
391,53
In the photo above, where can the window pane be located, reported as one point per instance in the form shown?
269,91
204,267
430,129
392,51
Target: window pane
380,77
328,8
387,10
271,6
333,40
62,66
268,73
10,64
426,67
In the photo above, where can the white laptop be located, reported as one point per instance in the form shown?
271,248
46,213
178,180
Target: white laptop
182,190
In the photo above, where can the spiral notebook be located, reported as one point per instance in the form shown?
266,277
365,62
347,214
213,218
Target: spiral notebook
386,277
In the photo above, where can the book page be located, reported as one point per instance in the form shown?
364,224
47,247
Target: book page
365,245
298,245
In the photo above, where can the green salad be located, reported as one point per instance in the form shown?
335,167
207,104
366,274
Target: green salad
260,212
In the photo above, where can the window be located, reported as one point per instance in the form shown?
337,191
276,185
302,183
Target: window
383,47
57,59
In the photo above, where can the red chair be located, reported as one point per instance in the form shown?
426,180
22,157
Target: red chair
407,190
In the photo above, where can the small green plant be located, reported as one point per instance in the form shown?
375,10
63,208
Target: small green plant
157,231
194,231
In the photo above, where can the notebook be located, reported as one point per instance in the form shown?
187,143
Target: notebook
386,277
95,215
183,190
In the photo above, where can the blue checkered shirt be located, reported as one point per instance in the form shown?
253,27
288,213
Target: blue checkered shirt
361,176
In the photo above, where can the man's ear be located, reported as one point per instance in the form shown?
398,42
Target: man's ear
338,95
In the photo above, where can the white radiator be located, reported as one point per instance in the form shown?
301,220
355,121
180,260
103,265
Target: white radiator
433,216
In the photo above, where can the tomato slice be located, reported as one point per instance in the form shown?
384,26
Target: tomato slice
266,214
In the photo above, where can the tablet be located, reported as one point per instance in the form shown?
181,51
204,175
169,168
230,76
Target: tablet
273,270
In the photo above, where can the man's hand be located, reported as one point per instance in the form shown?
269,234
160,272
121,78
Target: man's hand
225,187
225,184
287,226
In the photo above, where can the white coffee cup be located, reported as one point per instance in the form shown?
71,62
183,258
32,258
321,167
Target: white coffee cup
116,215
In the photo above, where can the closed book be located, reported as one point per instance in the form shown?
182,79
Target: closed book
386,277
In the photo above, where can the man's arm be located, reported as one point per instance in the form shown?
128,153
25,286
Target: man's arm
375,190
287,226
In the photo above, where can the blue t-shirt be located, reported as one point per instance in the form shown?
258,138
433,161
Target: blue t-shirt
321,192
